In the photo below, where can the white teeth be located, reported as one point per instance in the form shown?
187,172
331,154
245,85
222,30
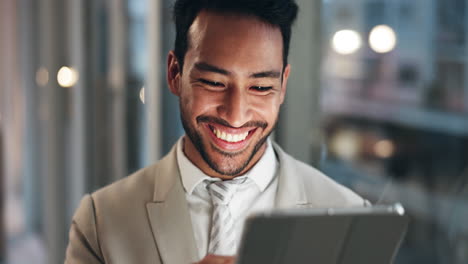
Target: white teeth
230,137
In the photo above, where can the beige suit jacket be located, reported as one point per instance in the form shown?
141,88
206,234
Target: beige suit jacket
144,218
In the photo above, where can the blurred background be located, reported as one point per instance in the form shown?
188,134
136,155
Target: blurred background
377,99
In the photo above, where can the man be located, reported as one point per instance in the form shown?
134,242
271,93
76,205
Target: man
230,72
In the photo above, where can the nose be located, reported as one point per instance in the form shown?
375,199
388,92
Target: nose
236,108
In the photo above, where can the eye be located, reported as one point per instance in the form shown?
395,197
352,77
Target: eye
211,83
261,88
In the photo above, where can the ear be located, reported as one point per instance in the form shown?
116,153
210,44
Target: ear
284,83
173,73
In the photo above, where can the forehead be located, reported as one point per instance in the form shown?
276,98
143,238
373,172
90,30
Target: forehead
230,40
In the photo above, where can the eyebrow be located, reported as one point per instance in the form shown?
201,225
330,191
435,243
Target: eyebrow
203,66
266,74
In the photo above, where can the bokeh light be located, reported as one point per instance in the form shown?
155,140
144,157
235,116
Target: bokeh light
67,77
346,41
42,77
384,148
142,95
346,144
382,39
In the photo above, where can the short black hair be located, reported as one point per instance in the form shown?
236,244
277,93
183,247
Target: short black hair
280,13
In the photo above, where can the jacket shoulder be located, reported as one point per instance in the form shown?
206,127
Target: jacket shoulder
321,190
137,186
115,217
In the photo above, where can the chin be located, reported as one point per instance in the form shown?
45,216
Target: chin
232,163
229,164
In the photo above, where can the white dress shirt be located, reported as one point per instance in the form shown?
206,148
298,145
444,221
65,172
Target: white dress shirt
256,194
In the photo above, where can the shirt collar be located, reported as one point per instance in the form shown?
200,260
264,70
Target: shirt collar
265,169
262,173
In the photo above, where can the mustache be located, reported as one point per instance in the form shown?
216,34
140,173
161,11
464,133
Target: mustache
212,119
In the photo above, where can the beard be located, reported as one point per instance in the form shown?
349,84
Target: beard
228,167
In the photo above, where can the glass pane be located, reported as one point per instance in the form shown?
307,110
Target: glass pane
395,103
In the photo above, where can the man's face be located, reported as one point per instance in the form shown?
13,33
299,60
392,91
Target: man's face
230,91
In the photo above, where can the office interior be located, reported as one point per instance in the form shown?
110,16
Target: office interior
377,99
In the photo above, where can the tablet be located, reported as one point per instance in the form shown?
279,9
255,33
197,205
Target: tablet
324,236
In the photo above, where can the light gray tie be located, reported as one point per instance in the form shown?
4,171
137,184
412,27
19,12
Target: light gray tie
223,234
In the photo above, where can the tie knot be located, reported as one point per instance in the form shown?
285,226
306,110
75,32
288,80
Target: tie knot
221,192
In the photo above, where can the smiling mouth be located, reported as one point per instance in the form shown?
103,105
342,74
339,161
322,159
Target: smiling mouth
230,138
233,138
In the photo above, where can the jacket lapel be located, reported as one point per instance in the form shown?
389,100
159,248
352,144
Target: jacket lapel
169,215
174,238
291,191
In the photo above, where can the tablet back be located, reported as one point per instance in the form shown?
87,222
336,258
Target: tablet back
344,236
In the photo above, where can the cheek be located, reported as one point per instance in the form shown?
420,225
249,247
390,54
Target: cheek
186,104
198,103
267,108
